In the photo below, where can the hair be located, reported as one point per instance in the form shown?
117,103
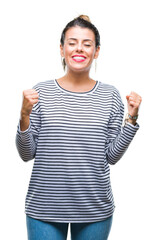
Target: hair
84,22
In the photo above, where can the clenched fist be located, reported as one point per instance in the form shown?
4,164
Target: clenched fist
134,101
30,97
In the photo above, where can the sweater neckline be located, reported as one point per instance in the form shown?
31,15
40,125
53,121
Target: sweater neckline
77,93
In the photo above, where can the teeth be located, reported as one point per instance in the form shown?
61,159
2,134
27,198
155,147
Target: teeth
78,58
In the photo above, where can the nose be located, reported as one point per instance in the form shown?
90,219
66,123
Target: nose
79,47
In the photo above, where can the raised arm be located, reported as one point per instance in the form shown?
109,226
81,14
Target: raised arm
120,137
29,125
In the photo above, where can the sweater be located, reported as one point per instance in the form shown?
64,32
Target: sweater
73,138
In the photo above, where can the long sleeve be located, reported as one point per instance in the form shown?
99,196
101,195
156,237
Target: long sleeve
26,141
73,136
119,137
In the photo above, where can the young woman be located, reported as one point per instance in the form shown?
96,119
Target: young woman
72,126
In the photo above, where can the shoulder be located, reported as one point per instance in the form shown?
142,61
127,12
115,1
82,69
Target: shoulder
111,94
43,85
109,88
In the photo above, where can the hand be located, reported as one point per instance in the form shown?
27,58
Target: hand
134,101
30,97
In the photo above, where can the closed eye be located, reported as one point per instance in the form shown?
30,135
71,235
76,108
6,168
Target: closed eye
71,44
87,45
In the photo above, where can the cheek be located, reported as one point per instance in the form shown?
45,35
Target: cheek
91,53
67,52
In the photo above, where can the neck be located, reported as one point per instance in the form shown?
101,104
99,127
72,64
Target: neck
77,78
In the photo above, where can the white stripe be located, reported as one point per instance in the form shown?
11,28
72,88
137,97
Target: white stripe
73,137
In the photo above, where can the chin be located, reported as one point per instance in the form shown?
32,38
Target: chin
79,69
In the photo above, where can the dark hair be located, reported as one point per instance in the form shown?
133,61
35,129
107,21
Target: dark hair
84,22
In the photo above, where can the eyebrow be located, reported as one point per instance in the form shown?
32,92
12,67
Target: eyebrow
75,39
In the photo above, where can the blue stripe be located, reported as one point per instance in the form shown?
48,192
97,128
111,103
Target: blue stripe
73,137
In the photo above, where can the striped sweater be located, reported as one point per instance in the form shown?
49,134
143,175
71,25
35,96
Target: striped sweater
73,138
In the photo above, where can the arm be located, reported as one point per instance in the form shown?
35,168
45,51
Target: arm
119,137
29,126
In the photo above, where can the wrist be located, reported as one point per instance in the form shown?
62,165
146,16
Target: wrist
131,119
24,115
24,121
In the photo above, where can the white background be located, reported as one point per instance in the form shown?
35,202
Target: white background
29,53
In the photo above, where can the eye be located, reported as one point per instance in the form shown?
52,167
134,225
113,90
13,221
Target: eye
71,43
87,45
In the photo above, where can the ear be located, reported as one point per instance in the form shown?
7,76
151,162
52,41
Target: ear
61,50
97,52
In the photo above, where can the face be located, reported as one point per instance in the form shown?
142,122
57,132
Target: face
79,49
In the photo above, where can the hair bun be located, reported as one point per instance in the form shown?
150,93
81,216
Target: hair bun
85,17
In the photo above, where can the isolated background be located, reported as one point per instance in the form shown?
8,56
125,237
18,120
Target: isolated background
29,53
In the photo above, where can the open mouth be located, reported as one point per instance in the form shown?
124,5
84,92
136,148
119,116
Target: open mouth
79,58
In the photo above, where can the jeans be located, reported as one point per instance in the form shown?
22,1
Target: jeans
40,230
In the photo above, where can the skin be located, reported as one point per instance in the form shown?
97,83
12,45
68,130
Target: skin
30,97
77,76
133,102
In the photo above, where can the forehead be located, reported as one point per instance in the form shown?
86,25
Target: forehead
80,33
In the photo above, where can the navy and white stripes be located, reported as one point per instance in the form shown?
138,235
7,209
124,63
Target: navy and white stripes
73,137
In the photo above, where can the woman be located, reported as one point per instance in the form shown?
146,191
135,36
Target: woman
72,126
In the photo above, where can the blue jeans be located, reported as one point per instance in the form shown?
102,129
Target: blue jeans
40,230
